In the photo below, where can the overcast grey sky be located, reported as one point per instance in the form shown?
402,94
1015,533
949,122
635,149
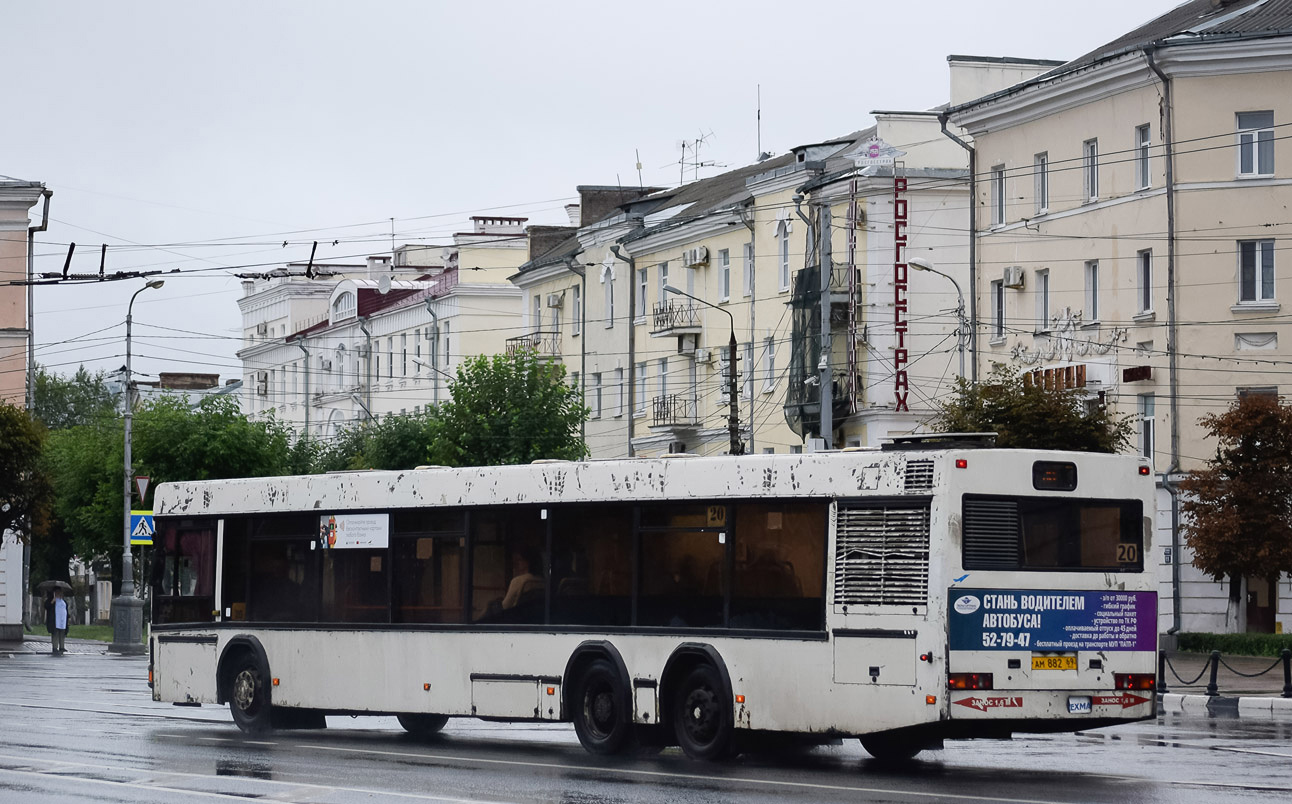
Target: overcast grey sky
202,135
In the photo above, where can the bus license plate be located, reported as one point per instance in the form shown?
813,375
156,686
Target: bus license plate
1079,705
1065,662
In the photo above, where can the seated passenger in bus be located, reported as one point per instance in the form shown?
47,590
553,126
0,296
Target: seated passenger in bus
526,583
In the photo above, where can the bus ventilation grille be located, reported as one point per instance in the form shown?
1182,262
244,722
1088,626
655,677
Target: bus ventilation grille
882,556
919,475
991,531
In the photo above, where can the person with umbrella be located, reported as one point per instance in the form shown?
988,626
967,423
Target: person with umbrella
56,614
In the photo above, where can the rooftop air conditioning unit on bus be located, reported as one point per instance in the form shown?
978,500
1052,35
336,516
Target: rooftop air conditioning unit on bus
1014,277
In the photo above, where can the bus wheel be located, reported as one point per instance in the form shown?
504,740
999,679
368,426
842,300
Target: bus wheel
249,696
701,718
891,749
423,725
599,717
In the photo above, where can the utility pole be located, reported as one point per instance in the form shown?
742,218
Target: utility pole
826,373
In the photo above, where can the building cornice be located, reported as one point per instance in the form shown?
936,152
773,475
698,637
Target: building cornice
1062,93
687,233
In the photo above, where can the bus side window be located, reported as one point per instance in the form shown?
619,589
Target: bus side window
780,566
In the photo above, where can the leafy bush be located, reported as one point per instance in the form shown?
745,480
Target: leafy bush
1236,644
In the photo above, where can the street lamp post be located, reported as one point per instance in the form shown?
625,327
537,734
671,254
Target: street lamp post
921,264
733,398
128,610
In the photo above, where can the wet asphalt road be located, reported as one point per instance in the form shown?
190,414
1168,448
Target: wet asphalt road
82,727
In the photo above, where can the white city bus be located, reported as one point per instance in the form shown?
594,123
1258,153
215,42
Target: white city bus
904,596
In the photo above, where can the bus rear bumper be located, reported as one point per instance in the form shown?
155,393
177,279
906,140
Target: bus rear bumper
1066,710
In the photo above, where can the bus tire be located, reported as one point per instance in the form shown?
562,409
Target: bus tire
249,695
422,725
702,715
887,748
600,718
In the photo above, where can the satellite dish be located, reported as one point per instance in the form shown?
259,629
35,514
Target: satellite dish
383,283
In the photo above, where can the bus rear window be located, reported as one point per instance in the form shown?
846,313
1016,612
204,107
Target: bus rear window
1046,533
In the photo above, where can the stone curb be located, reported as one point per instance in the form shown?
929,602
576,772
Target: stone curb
1243,706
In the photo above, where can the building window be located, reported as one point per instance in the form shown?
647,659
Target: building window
417,351
1092,291
1255,270
619,392
663,280
769,365
1144,278
747,387
783,250
390,358
576,310
608,280
1147,425
1090,168
446,346
639,404
536,318
1043,300
997,195
663,376
998,310
1143,179
403,354
344,306
724,273
749,269
640,311
596,396
1041,167
1256,143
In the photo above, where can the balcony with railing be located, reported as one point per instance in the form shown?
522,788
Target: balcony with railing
547,343
674,411
675,318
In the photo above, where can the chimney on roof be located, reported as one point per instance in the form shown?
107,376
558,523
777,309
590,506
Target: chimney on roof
572,211
378,266
543,238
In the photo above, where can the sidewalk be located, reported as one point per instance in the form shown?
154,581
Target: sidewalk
33,643
1241,693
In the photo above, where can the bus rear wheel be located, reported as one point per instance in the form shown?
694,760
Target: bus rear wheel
422,725
701,715
249,696
599,717
892,749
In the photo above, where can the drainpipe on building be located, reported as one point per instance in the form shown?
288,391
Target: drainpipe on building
31,383
301,345
632,342
1168,113
753,261
973,247
582,274
367,366
435,347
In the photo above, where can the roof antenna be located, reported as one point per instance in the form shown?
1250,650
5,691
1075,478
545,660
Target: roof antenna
638,154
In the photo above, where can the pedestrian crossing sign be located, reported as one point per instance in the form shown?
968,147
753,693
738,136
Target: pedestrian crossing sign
141,527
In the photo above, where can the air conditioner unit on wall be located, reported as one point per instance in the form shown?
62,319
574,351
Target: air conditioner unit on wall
1014,277
327,365
556,299
262,329
695,257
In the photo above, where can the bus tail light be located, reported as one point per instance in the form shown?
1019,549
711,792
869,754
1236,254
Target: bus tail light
1145,471
1134,681
962,463
969,681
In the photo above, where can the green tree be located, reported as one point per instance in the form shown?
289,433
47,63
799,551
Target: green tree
1029,416
1239,507
62,402
24,487
85,466
175,440
508,409
397,441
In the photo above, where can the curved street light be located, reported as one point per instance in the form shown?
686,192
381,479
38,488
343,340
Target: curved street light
127,610
921,264
733,398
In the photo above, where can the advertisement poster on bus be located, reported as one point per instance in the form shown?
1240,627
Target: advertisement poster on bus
354,531
1045,620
